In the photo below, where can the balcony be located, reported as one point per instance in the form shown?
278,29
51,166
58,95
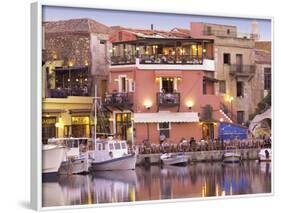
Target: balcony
238,70
120,100
65,92
168,100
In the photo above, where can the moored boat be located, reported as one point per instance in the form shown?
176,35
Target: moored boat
77,159
52,156
231,155
112,154
265,155
174,158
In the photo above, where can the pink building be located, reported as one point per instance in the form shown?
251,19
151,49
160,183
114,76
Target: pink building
161,83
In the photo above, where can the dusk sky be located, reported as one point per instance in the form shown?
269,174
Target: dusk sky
160,21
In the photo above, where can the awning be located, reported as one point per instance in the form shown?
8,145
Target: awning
86,111
53,111
160,117
168,74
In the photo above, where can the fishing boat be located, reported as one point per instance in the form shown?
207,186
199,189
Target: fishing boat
52,156
174,158
231,155
110,153
77,157
265,155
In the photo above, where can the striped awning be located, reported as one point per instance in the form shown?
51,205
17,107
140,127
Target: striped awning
161,117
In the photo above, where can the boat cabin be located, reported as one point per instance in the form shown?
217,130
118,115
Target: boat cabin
75,145
106,149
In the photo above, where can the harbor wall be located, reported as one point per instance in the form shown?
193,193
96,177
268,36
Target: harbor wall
200,156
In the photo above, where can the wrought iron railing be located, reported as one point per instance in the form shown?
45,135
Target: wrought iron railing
121,99
168,99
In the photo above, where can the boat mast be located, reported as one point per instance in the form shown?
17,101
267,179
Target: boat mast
95,114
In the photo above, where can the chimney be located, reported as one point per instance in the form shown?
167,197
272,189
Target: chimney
151,27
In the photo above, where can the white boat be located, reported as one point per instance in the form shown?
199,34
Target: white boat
231,155
77,159
265,154
174,158
112,154
52,156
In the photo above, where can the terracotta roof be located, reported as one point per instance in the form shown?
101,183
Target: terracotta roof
262,57
76,25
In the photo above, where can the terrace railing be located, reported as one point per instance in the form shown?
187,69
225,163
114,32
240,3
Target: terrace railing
65,92
168,99
171,59
239,69
157,59
120,99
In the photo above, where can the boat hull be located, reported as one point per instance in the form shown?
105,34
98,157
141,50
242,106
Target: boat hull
52,158
176,160
231,158
123,163
77,166
265,155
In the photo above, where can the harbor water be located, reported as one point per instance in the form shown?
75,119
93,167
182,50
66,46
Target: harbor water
158,183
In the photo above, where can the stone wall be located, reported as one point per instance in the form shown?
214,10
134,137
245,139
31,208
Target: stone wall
72,48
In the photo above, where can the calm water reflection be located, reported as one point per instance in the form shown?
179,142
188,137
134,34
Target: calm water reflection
154,183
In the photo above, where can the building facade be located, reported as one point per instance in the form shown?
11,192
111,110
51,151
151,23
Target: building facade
162,83
75,57
234,55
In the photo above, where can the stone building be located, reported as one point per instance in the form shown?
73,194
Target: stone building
234,55
75,58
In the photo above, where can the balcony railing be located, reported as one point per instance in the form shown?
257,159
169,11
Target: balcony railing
242,70
158,59
123,60
65,92
171,59
168,99
120,99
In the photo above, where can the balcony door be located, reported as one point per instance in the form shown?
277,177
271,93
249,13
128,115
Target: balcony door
167,85
239,62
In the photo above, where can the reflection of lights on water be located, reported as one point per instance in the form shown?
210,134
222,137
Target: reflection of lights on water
223,193
230,189
217,190
204,189
132,194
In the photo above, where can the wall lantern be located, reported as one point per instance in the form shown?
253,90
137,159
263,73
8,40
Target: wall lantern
147,104
204,50
221,119
189,104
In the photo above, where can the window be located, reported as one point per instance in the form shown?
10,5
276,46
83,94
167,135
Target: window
240,117
111,146
117,146
204,87
209,30
222,87
120,36
123,145
164,129
228,31
226,58
267,78
240,89
102,41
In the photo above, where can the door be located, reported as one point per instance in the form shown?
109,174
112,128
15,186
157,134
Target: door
208,130
239,62
123,126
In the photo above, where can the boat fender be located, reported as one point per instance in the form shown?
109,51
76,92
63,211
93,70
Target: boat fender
110,154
